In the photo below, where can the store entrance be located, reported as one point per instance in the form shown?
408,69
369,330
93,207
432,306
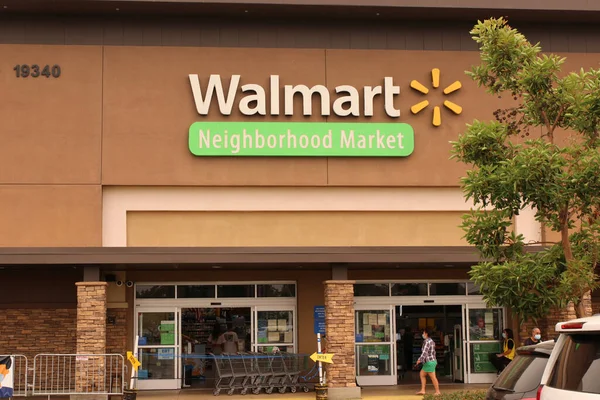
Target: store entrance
445,323
211,330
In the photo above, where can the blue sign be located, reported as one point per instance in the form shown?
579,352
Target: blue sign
320,312
319,327
320,320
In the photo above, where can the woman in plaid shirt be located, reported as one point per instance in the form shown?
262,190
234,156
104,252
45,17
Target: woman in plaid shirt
429,363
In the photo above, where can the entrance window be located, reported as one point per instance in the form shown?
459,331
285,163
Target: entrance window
277,290
275,328
156,328
158,363
196,291
234,291
372,289
373,360
447,289
373,326
485,324
155,291
473,289
409,289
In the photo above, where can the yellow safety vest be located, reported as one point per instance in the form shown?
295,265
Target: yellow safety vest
510,355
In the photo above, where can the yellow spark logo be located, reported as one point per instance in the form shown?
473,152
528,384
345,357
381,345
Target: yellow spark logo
437,114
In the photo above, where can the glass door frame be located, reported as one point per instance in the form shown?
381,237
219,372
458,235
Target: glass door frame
159,384
380,380
472,377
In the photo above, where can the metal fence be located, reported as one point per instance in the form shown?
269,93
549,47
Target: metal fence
66,374
20,374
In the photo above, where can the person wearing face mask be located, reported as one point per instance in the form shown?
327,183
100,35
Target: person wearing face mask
500,361
536,337
429,362
5,391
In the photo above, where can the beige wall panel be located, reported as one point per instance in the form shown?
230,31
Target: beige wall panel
149,107
294,229
51,127
50,216
310,291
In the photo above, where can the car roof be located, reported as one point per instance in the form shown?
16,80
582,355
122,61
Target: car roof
588,324
541,348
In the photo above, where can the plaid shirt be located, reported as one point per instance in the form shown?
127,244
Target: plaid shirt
427,351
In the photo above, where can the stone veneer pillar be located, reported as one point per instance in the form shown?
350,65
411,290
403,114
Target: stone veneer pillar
91,339
339,323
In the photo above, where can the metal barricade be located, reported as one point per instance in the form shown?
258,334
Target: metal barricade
19,364
66,374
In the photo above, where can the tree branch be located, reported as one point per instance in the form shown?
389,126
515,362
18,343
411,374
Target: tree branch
548,126
558,115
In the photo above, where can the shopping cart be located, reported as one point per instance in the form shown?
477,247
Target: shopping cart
279,376
257,371
253,375
295,364
264,374
223,373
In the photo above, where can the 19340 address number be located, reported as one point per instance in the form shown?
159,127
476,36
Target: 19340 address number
35,71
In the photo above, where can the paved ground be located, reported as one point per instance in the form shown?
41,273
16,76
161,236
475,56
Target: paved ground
404,392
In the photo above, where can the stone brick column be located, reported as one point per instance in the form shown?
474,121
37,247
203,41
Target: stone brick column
339,322
91,317
91,338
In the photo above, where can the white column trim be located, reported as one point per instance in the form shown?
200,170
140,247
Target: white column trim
526,225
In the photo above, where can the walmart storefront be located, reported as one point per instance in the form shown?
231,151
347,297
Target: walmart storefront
231,187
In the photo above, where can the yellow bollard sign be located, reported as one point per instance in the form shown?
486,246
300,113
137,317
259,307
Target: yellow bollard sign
134,361
326,358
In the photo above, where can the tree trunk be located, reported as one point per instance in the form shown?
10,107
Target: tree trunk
584,307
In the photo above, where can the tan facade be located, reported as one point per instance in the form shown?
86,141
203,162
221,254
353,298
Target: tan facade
106,121
99,157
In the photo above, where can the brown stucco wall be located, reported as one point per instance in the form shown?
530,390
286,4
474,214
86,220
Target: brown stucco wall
50,215
51,127
120,116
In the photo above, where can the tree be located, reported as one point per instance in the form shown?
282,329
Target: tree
513,167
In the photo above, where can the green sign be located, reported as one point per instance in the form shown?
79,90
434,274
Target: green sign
481,356
301,139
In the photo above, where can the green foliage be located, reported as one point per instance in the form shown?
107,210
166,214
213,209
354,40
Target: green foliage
558,179
462,395
525,282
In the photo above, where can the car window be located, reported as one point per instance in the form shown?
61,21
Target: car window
523,374
577,367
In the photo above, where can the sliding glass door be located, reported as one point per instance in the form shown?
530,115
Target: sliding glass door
375,346
159,350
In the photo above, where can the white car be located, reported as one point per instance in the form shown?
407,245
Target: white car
573,370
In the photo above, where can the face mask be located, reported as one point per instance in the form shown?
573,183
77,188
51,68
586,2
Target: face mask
424,337
538,337
1,377
503,335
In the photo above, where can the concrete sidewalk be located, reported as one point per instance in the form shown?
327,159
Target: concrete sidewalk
404,392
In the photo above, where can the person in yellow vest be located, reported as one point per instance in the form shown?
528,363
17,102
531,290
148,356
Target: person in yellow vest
500,361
